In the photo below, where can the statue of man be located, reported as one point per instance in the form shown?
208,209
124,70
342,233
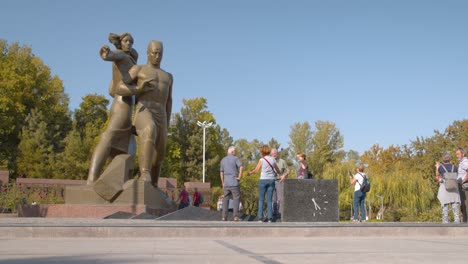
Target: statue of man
153,87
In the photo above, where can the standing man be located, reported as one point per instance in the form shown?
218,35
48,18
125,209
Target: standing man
463,177
359,199
283,174
231,172
153,112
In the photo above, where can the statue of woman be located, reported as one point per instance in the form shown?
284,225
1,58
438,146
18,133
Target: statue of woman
115,140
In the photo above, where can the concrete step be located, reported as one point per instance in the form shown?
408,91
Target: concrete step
137,228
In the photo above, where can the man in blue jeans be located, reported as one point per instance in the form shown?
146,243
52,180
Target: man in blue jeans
359,201
231,172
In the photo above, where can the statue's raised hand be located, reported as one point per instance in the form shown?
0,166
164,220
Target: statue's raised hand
104,51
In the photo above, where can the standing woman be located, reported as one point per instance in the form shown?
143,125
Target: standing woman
359,200
445,197
303,171
266,185
116,139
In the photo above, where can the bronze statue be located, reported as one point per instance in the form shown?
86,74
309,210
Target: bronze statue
153,87
115,140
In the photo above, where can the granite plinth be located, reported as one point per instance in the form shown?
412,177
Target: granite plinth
136,197
145,216
310,201
134,192
192,213
120,215
92,211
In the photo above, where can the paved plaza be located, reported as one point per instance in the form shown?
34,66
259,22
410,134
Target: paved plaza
74,241
238,250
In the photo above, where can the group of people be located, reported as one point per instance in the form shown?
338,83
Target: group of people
185,200
453,196
273,170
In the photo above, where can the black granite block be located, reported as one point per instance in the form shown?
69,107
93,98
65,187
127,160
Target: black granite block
192,213
120,215
144,216
310,201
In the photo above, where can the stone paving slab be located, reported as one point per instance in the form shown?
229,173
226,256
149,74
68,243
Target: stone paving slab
362,250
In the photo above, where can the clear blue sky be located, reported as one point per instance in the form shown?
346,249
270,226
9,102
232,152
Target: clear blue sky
383,71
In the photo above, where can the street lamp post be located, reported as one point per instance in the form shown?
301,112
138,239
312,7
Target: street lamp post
204,125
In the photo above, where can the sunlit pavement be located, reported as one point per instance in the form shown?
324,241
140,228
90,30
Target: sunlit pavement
236,250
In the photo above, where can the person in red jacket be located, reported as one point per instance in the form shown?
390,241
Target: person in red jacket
183,198
196,197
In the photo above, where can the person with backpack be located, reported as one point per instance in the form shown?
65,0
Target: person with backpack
446,176
359,180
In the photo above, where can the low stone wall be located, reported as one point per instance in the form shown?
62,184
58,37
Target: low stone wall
4,177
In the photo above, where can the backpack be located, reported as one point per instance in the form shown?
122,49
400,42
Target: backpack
365,186
200,198
450,179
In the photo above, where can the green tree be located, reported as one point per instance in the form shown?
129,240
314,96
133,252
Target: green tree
35,151
327,143
187,143
93,110
301,139
90,121
27,84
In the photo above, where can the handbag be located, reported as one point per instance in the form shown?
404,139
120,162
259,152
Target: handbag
450,179
464,186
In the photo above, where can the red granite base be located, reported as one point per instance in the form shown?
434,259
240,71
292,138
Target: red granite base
88,211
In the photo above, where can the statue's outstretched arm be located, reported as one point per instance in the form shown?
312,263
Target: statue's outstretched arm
109,55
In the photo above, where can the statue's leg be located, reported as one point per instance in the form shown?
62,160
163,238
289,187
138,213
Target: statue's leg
145,159
146,130
160,148
100,155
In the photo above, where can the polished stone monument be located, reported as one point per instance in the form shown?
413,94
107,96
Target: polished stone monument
310,201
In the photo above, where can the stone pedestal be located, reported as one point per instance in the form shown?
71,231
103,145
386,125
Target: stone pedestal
310,201
134,192
136,197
